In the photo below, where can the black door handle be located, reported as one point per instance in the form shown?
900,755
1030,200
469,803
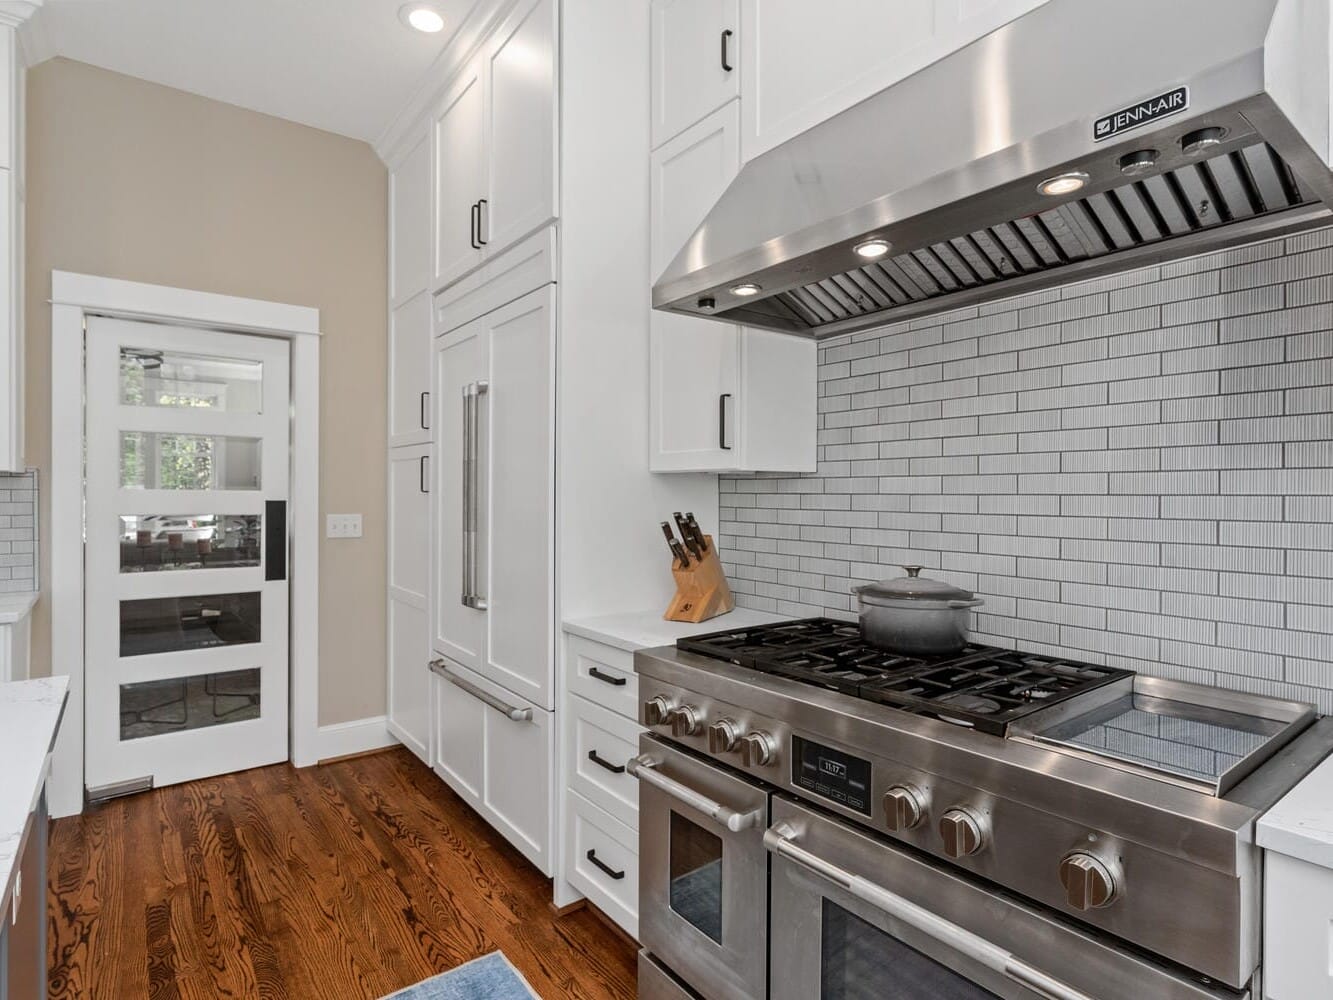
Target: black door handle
601,761
722,421
606,678
476,226
421,474
726,63
275,539
480,205
425,397
617,875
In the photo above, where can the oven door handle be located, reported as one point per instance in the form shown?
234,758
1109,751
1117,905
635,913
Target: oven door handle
781,838
644,768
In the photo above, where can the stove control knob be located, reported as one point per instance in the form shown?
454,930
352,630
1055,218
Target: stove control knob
1089,882
656,710
963,832
904,807
758,748
723,736
685,721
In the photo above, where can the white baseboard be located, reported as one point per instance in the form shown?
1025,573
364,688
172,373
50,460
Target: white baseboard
357,736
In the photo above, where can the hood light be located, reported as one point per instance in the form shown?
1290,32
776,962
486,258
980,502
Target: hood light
745,289
421,16
872,249
1201,140
1060,184
1138,162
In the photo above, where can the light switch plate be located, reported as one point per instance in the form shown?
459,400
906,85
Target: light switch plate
343,526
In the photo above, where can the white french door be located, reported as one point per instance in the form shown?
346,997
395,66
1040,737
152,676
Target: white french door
186,548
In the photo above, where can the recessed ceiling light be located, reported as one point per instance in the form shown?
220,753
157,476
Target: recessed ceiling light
871,249
1063,183
746,288
422,17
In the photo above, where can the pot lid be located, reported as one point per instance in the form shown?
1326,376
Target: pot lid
914,587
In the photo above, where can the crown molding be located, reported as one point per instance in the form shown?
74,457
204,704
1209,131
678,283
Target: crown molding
34,41
15,12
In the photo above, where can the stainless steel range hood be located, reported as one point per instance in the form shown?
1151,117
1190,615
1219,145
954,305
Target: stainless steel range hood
1194,124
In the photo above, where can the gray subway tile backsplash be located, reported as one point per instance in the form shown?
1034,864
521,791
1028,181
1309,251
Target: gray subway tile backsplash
18,532
1134,470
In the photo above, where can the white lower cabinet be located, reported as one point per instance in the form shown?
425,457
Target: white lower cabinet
601,743
496,751
602,862
409,587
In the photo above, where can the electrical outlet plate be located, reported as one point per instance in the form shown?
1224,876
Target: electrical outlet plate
343,526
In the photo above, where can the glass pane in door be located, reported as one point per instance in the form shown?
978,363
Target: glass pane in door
154,461
696,875
178,624
151,543
858,961
151,708
155,377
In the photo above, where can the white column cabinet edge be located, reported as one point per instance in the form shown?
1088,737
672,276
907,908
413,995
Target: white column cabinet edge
408,700
12,215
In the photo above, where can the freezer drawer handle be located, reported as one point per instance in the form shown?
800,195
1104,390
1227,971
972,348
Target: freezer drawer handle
472,393
780,839
504,708
592,856
645,769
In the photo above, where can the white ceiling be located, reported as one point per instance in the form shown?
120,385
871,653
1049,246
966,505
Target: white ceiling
346,66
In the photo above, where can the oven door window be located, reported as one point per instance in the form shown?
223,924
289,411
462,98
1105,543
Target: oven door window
696,875
859,961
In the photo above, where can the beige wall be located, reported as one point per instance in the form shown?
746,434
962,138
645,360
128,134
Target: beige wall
128,179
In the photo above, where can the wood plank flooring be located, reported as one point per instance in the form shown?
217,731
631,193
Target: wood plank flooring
347,880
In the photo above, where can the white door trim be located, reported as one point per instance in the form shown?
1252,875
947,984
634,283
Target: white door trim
73,297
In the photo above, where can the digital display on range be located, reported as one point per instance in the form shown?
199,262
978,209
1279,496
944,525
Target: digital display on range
831,774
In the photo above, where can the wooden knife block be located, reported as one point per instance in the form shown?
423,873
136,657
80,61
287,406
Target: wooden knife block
701,589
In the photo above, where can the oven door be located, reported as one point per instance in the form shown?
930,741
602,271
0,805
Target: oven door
703,872
855,918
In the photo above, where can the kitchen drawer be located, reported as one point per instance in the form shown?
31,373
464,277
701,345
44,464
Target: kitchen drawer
603,674
595,836
521,269
600,743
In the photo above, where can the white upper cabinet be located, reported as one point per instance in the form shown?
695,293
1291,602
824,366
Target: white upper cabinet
714,385
409,372
520,126
695,62
495,146
460,170
11,252
803,62
409,284
409,209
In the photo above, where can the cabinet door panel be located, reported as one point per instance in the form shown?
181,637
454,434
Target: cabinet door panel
409,372
409,522
409,215
520,126
409,677
517,793
689,175
460,359
519,447
460,739
689,78
459,174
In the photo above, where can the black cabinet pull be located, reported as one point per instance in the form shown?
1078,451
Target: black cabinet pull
486,206
606,678
726,63
722,421
421,473
601,761
425,424
476,225
592,856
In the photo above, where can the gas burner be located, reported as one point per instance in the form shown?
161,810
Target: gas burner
984,687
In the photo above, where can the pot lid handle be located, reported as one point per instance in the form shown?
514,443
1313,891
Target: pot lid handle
912,571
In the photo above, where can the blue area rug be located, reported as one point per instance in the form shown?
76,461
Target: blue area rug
490,977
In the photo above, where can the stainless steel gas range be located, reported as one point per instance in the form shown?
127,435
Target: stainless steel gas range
821,819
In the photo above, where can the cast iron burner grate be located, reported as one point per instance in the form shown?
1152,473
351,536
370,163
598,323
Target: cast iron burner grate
984,687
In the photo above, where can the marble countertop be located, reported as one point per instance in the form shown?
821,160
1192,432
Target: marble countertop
634,630
16,607
29,716
1301,824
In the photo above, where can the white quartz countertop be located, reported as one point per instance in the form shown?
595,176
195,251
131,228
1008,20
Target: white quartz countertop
634,630
16,607
29,715
1301,824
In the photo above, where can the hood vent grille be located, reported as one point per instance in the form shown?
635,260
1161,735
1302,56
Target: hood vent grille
1227,187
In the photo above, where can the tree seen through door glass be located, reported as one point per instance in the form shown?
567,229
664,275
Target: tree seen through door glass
150,460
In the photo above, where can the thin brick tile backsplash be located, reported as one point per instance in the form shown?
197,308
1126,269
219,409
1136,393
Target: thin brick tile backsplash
1135,470
18,532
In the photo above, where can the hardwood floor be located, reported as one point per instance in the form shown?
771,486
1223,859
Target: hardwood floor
348,880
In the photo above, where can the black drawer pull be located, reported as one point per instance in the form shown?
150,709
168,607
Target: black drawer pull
606,678
617,875
601,761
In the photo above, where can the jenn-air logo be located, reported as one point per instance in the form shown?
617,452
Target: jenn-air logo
1170,103
832,768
